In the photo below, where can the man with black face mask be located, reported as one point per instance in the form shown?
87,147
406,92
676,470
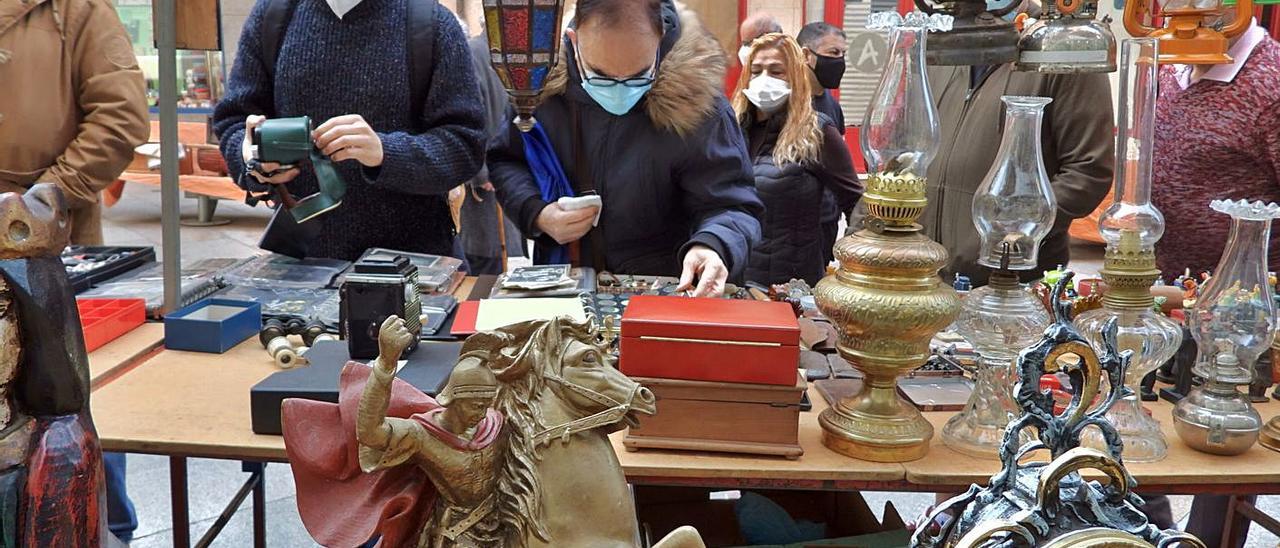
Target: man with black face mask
824,48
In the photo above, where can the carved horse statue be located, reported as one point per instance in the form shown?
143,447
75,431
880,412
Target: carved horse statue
562,395
537,470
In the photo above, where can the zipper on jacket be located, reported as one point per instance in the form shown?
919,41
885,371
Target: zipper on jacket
951,150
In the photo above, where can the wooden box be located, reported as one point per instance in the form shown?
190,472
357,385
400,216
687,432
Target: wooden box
714,340
757,419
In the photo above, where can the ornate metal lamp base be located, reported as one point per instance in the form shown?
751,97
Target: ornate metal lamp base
859,428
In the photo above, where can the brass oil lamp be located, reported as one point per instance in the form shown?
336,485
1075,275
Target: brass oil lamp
1189,36
887,299
524,45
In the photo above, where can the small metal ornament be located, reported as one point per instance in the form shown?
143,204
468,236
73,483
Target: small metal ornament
1049,503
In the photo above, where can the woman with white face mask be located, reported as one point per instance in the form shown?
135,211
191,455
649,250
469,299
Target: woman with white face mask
796,152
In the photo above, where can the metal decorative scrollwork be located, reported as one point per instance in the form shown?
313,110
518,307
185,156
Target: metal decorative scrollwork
1046,503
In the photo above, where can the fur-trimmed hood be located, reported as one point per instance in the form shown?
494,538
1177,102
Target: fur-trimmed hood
691,70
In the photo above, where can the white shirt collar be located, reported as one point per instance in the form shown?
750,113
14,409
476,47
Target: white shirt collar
1225,73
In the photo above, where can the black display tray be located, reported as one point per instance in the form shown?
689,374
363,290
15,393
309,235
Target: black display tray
129,258
427,369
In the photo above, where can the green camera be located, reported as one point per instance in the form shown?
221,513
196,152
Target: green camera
287,141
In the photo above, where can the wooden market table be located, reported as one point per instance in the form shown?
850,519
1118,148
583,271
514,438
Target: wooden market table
147,399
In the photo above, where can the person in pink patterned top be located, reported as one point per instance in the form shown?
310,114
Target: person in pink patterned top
1217,136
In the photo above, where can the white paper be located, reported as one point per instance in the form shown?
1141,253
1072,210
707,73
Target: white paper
495,313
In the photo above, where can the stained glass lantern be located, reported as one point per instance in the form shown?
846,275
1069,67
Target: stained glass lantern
524,45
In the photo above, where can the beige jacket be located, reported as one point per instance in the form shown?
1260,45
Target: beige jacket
1077,140
72,102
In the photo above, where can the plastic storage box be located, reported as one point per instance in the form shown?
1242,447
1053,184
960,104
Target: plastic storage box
105,320
212,325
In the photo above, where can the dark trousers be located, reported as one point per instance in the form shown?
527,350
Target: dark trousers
1209,516
121,517
1158,511
481,266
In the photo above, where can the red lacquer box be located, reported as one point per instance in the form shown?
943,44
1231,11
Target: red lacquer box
716,340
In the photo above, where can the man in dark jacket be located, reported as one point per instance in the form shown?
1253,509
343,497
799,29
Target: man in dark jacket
484,229
825,46
649,131
346,65
1077,140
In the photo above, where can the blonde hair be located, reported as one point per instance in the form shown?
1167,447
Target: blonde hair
801,136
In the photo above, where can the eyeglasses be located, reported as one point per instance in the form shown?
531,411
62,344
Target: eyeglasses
608,82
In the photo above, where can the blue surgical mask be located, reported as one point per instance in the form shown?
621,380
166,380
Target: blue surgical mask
616,96
617,100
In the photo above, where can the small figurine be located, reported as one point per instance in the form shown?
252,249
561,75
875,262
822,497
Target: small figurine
514,452
1261,378
962,283
1181,364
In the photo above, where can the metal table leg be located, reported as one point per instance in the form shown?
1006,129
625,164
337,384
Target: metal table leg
206,207
256,485
259,503
178,500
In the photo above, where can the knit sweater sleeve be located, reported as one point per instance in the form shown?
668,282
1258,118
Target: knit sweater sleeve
1270,124
249,91
451,150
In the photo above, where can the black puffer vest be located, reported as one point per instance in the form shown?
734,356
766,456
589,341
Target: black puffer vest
792,243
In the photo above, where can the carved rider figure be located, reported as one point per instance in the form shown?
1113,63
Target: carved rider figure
457,445
413,470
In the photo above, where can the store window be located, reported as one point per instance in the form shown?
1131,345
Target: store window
200,73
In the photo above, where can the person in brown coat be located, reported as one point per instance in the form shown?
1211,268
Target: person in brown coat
72,102
1077,142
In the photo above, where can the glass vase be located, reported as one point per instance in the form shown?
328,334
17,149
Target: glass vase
1015,204
999,320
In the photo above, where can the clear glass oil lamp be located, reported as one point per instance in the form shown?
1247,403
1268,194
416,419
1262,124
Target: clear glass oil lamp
1069,38
886,298
1014,205
1131,227
1186,38
1233,321
999,320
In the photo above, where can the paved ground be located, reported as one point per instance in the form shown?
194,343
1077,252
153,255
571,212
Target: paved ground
135,221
